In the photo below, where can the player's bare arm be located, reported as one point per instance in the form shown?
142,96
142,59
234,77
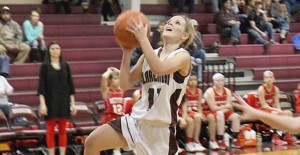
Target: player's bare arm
276,100
276,121
130,77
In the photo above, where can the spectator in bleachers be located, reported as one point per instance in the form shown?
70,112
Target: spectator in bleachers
181,3
197,52
65,4
228,24
56,93
214,5
260,29
235,6
34,36
218,101
156,38
11,37
93,6
282,18
268,95
239,7
250,5
293,6
242,14
110,8
5,89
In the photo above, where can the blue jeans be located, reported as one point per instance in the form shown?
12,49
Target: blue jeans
37,44
198,56
268,27
198,68
233,32
4,63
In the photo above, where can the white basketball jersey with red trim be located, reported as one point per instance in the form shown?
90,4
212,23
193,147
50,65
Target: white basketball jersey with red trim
161,95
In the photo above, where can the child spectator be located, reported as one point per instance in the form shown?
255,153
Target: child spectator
283,19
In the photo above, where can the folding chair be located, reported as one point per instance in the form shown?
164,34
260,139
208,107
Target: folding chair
7,136
84,122
26,125
99,108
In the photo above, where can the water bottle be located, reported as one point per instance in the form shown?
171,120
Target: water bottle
259,140
252,134
247,134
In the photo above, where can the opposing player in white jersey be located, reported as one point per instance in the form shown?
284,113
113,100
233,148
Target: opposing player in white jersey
164,72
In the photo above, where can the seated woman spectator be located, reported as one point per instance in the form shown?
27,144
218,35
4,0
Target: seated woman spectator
34,37
228,24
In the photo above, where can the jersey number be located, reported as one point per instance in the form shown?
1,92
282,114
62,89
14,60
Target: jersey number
118,108
151,97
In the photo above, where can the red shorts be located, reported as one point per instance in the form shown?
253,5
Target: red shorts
206,112
226,114
192,114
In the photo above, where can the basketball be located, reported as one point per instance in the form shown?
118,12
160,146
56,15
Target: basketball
123,37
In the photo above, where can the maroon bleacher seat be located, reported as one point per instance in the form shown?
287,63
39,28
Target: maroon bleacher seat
7,136
25,123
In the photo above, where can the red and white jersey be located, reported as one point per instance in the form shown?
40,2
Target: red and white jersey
114,102
269,96
192,100
220,99
161,95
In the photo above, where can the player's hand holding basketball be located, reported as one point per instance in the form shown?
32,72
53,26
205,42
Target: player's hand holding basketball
137,28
